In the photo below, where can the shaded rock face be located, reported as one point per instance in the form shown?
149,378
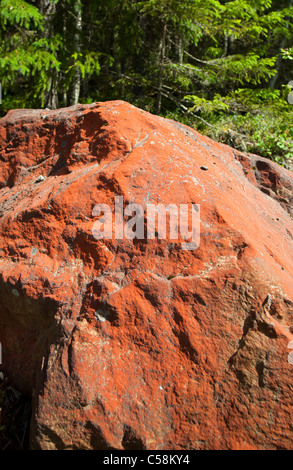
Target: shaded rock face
139,344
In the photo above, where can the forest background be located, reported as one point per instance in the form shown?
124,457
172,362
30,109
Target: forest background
222,67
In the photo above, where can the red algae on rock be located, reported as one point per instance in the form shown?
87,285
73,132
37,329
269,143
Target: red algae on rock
138,344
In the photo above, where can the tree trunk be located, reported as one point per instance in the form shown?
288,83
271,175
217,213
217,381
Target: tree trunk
48,10
228,44
76,82
180,50
75,90
161,67
51,100
274,79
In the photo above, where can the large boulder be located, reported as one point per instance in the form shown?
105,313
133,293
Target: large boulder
138,343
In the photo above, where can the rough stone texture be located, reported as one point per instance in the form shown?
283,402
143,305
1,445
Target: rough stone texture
139,344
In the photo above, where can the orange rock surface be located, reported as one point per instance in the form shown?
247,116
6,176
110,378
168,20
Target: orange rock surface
139,344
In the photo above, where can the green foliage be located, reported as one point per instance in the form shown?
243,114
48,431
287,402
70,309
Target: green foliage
287,53
260,124
207,106
18,12
250,68
87,62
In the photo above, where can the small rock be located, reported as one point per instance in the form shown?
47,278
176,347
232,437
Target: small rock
101,316
39,179
34,251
